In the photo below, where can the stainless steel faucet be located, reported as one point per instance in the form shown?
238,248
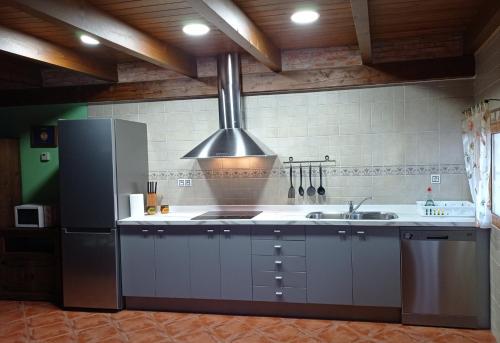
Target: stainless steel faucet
353,208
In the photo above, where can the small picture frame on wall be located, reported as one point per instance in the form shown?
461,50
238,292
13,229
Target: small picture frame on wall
44,136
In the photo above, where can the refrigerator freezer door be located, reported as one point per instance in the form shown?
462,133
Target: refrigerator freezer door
91,268
87,173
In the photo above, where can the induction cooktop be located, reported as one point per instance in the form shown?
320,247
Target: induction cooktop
214,215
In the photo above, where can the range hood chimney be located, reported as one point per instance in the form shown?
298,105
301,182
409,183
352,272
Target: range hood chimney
231,140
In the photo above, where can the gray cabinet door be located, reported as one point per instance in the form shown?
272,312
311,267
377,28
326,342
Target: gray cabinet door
376,267
236,263
204,253
138,262
329,272
172,262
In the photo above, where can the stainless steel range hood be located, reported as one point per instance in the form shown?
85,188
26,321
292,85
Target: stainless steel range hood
231,140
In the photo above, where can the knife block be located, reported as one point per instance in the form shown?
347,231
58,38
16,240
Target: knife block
151,200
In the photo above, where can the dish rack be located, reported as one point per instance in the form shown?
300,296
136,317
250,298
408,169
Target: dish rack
447,209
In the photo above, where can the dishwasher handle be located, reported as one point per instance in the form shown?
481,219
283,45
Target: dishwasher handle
438,237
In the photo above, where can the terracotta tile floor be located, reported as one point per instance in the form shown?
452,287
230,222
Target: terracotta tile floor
43,322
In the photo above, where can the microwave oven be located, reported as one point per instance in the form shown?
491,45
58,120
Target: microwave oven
34,216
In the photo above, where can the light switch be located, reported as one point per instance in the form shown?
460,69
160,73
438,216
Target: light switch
45,157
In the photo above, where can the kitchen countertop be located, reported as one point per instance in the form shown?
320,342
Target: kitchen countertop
295,215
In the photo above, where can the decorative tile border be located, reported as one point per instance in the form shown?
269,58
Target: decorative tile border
327,171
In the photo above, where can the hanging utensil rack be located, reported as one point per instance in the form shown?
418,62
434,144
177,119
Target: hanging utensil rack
325,160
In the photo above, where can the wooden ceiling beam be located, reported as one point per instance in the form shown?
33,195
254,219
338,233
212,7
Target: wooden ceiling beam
261,83
362,25
83,17
18,72
487,22
231,20
32,48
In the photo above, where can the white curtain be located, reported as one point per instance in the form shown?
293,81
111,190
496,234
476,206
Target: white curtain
476,135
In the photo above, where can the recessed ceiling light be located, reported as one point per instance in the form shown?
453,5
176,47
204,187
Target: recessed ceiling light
195,29
305,17
89,40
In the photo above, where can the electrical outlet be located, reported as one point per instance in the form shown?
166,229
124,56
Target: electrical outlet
184,182
45,157
435,178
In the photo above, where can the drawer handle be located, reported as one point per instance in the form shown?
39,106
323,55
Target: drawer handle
279,293
145,230
342,232
161,231
361,234
277,231
278,278
227,231
278,263
210,231
277,247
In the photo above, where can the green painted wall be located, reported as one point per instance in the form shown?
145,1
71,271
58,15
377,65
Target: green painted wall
39,179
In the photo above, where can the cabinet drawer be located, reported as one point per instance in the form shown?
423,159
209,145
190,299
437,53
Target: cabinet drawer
284,294
280,279
278,263
279,233
278,248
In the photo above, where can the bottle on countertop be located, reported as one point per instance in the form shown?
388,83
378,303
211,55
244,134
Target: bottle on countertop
429,201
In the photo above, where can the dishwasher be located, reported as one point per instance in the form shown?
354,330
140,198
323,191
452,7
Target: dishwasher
445,277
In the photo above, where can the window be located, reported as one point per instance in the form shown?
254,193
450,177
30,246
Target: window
495,174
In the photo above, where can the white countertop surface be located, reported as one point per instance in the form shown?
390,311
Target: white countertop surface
296,215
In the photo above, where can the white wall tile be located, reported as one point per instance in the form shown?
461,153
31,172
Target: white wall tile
129,108
428,148
378,126
100,110
450,148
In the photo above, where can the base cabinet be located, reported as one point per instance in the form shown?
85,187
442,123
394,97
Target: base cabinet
353,266
179,262
334,265
172,263
236,263
376,267
204,263
329,270
138,262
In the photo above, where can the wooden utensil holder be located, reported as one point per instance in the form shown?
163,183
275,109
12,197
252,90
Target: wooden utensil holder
151,200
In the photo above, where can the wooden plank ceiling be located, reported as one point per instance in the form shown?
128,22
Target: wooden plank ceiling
164,20
387,22
401,19
335,26
57,34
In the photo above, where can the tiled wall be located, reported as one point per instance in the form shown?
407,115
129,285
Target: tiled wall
487,85
386,141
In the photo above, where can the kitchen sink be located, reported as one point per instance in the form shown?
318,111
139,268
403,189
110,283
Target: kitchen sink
373,215
353,216
323,215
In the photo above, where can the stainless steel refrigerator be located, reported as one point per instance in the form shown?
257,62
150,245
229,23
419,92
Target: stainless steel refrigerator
101,162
